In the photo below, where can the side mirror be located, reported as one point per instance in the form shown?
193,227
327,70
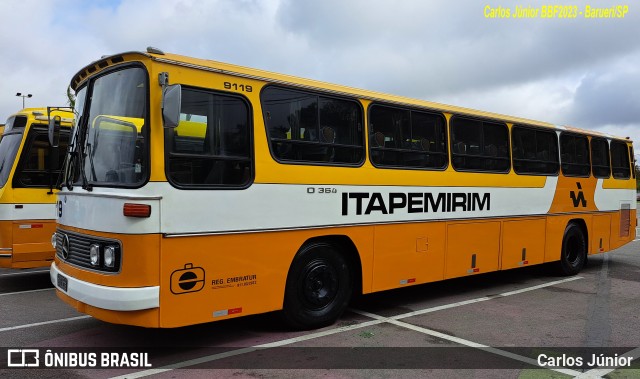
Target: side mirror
171,102
54,131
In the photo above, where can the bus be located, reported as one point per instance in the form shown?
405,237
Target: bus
228,191
27,202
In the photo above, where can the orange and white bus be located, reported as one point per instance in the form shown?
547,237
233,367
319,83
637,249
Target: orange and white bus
27,202
228,191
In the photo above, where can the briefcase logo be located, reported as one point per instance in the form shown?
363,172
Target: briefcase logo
187,279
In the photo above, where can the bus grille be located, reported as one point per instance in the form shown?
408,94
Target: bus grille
78,251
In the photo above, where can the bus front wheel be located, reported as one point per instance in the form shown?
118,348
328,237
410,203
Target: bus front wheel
319,287
574,251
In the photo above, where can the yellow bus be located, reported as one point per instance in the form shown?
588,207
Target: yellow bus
231,191
27,202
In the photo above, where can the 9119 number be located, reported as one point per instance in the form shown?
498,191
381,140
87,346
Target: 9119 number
236,87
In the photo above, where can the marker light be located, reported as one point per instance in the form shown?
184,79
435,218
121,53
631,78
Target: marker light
136,210
94,254
109,256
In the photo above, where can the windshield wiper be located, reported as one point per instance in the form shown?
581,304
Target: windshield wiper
93,168
69,168
58,183
85,183
80,154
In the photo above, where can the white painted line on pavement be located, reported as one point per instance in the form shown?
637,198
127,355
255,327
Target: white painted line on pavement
601,372
214,357
482,347
43,323
23,292
377,320
484,298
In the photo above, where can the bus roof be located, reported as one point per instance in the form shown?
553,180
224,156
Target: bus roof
40,114
303,83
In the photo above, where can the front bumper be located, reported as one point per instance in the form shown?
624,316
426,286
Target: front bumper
111,298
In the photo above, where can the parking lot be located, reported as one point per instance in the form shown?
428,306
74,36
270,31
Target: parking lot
494,325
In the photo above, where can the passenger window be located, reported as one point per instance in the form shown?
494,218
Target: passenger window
535,151
211,146
310,128
478,145
620,160
574,155
404,138
600,164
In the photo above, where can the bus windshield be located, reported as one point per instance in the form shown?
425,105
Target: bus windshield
113,143
9,145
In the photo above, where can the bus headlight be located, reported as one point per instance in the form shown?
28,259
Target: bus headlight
109,256
54,239
94,254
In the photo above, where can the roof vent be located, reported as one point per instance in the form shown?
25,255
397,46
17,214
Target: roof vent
154,50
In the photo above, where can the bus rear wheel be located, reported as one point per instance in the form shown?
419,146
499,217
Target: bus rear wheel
319,287
574,251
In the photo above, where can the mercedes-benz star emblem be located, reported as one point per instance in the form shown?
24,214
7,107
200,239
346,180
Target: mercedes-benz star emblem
65,246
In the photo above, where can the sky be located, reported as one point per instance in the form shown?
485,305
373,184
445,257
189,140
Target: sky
582,72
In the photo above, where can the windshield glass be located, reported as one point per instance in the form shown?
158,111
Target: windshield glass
114,145
9,145
78,107
70,165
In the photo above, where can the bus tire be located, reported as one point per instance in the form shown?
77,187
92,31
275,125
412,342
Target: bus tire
574,251
319,287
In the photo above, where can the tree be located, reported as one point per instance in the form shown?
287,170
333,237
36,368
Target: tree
71,98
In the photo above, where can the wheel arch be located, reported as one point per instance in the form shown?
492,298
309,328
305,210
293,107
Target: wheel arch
348,249
582,224
573,255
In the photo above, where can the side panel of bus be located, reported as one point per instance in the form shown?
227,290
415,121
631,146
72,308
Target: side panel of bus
27,205
518,251
209,278
406,254
32,243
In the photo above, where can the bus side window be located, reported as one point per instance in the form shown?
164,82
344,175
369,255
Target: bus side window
407,138
633,162
535,151
620,160
600,164
211,146
479,145
574,152
319,129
